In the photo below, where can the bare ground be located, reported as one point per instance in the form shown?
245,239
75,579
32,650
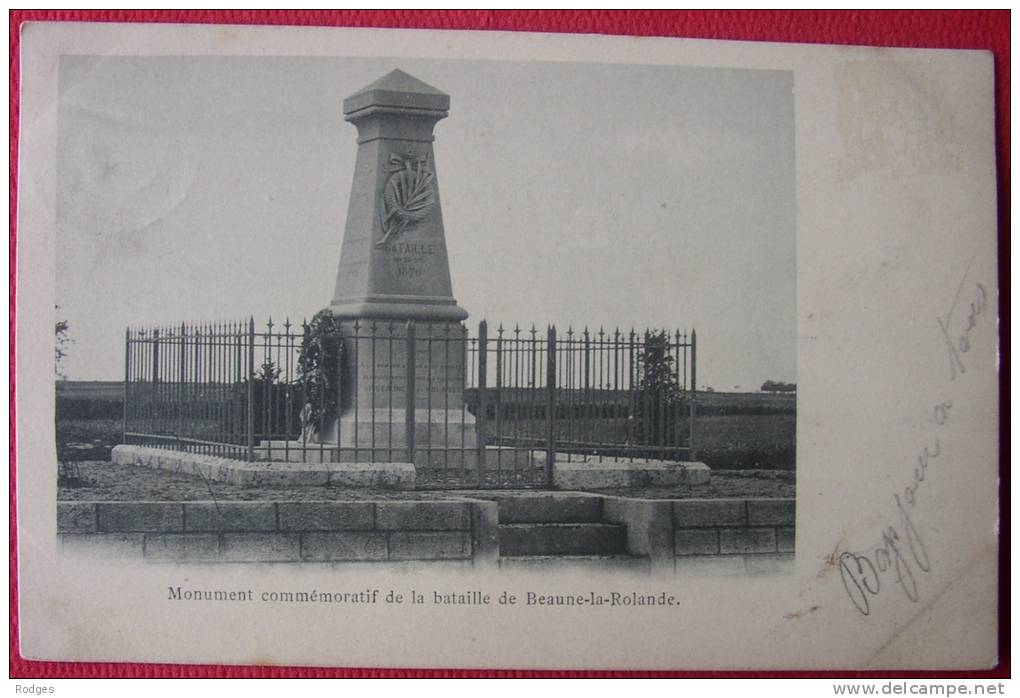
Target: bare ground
104,481
724,484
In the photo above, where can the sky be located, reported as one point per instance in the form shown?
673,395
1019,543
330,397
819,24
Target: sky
213,188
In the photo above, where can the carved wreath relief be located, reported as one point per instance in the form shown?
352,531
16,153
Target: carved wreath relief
408,195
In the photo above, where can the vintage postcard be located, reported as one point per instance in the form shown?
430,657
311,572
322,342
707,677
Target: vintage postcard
387,348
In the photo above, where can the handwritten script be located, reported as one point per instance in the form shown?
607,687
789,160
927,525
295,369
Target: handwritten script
901,554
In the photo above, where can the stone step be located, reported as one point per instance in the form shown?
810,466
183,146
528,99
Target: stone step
568,563
549,508
562,539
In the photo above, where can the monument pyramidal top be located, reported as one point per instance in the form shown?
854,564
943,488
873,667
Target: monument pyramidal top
397,89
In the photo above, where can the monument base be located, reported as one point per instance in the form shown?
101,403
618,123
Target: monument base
386,428
427,458
395,307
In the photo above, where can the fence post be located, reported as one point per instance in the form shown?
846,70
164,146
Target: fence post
694,389
409,406
155,356
587,363
266,371
339,390
127,379
550,406
154,393
481,411
251,390
181,382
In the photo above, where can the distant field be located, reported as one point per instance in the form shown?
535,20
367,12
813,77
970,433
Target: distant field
740,442
113,391
747,430
747,403
734,430
107,391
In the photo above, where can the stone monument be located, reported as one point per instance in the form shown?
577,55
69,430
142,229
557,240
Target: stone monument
393,262
394,269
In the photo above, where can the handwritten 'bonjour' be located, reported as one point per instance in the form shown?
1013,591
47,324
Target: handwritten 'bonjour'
901,553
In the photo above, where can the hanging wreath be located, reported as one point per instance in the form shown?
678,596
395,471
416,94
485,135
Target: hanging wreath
318,365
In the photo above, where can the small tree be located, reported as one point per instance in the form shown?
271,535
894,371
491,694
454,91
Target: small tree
658,382
274,400
63,342
771,386
268,372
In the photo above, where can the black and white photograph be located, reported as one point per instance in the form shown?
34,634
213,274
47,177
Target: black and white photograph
613,384
479,336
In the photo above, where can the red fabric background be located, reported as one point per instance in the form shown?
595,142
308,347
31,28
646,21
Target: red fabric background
942,29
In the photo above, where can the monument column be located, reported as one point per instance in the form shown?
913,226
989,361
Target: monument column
394,269
393,262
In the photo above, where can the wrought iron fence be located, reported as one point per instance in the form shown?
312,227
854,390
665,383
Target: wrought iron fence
491,410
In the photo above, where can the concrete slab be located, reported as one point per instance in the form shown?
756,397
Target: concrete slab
607,473
382,475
